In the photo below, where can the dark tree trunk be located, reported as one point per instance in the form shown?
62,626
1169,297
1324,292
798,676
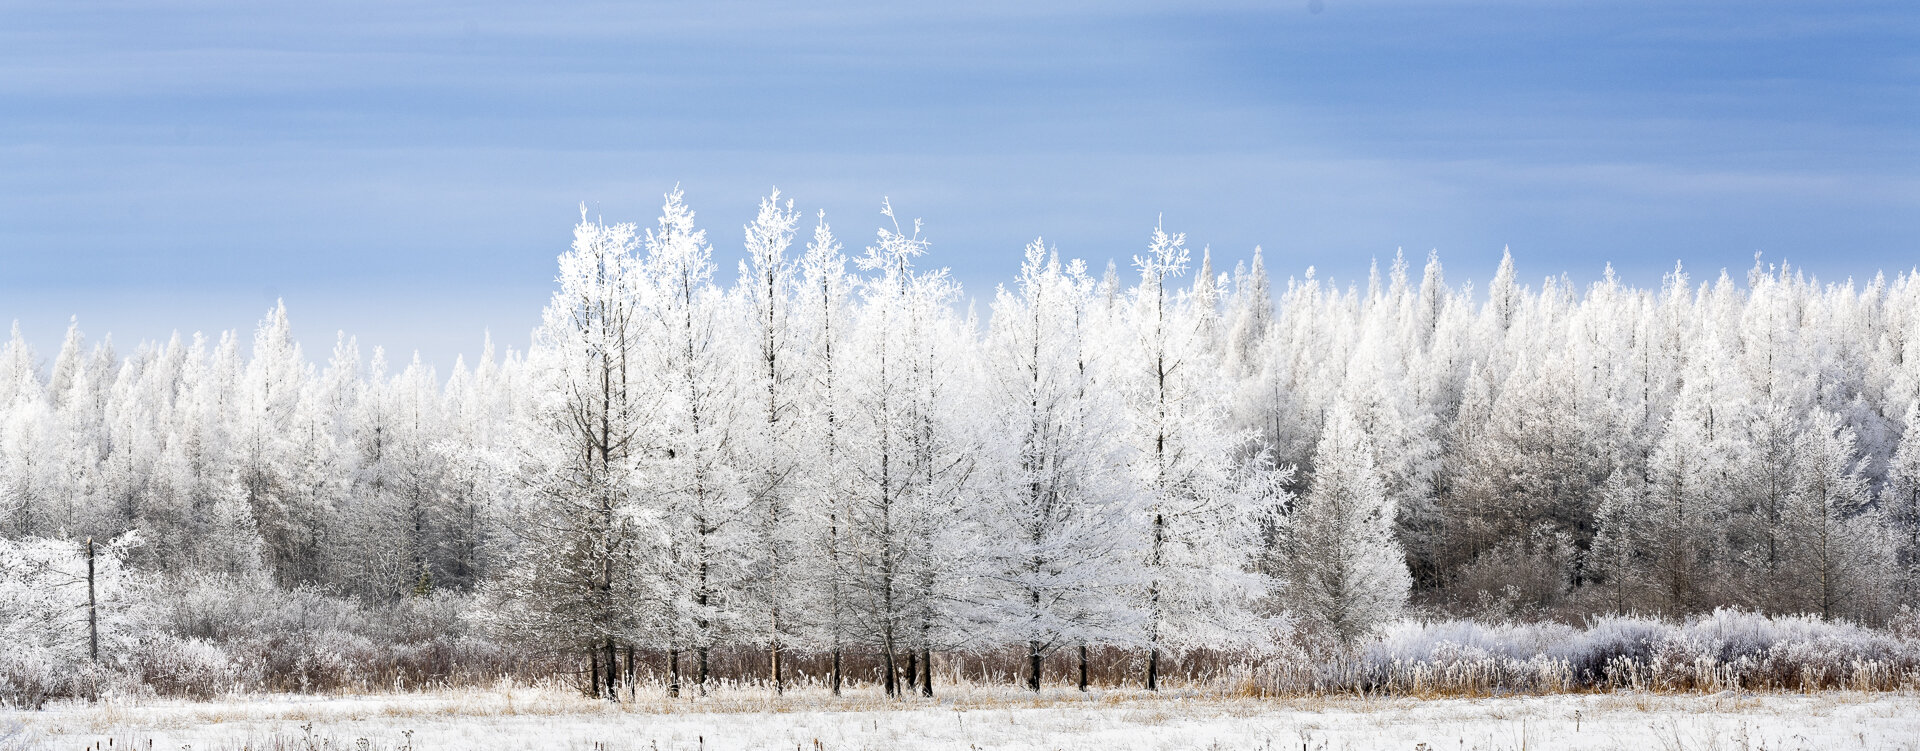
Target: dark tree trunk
913,667
926,672
1153,669
773,658
613,670
1033,666
673,673
1083,668
891,668
93,610
836,672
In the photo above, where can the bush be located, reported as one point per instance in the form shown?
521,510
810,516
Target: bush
245,633
1718,651
189,667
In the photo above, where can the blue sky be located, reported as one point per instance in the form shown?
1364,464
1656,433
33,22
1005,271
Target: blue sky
408,171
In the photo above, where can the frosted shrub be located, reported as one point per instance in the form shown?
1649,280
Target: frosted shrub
28,678
1719,651
196,668
228,632
1608,640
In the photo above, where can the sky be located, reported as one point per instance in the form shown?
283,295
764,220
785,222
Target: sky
408,171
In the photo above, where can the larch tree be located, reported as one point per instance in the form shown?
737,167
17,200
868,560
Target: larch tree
270,396
1688,504
707,515
1197,519
907,465
1346,573
1901,501
768,458
579,583
1619,560
1060,538
1838,551
828,485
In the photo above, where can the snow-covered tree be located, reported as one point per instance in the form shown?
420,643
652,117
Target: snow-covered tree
1837,547
579,582
1345,574
909,459
1062,547
826,582
1901,502
706,509
769,457
1197,513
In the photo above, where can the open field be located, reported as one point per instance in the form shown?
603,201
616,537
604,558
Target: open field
981,718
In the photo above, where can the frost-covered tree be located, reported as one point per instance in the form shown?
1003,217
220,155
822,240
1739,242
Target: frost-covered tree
1197,516
1345,574
1837,548
908,457
702,494
68,609
828,487
580,581
1060,533
288,513
1901,502
1619,560
1687,506
769,458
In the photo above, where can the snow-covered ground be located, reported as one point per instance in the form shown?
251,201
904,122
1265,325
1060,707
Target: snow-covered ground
534,718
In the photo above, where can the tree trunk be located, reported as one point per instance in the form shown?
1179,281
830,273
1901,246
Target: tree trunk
613,671
1153,669
913,667
892,679
703,670
593,671
1083,668
1153,604
836,672
1033,666
926,673
93,610
673,673
773,657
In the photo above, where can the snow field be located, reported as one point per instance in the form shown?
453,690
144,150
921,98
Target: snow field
988,718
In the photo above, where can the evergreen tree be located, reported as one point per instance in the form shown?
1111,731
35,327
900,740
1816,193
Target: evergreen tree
1346,573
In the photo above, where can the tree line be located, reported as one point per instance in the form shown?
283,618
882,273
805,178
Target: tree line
836,454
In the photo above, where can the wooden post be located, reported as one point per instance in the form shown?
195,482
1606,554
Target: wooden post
93,609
